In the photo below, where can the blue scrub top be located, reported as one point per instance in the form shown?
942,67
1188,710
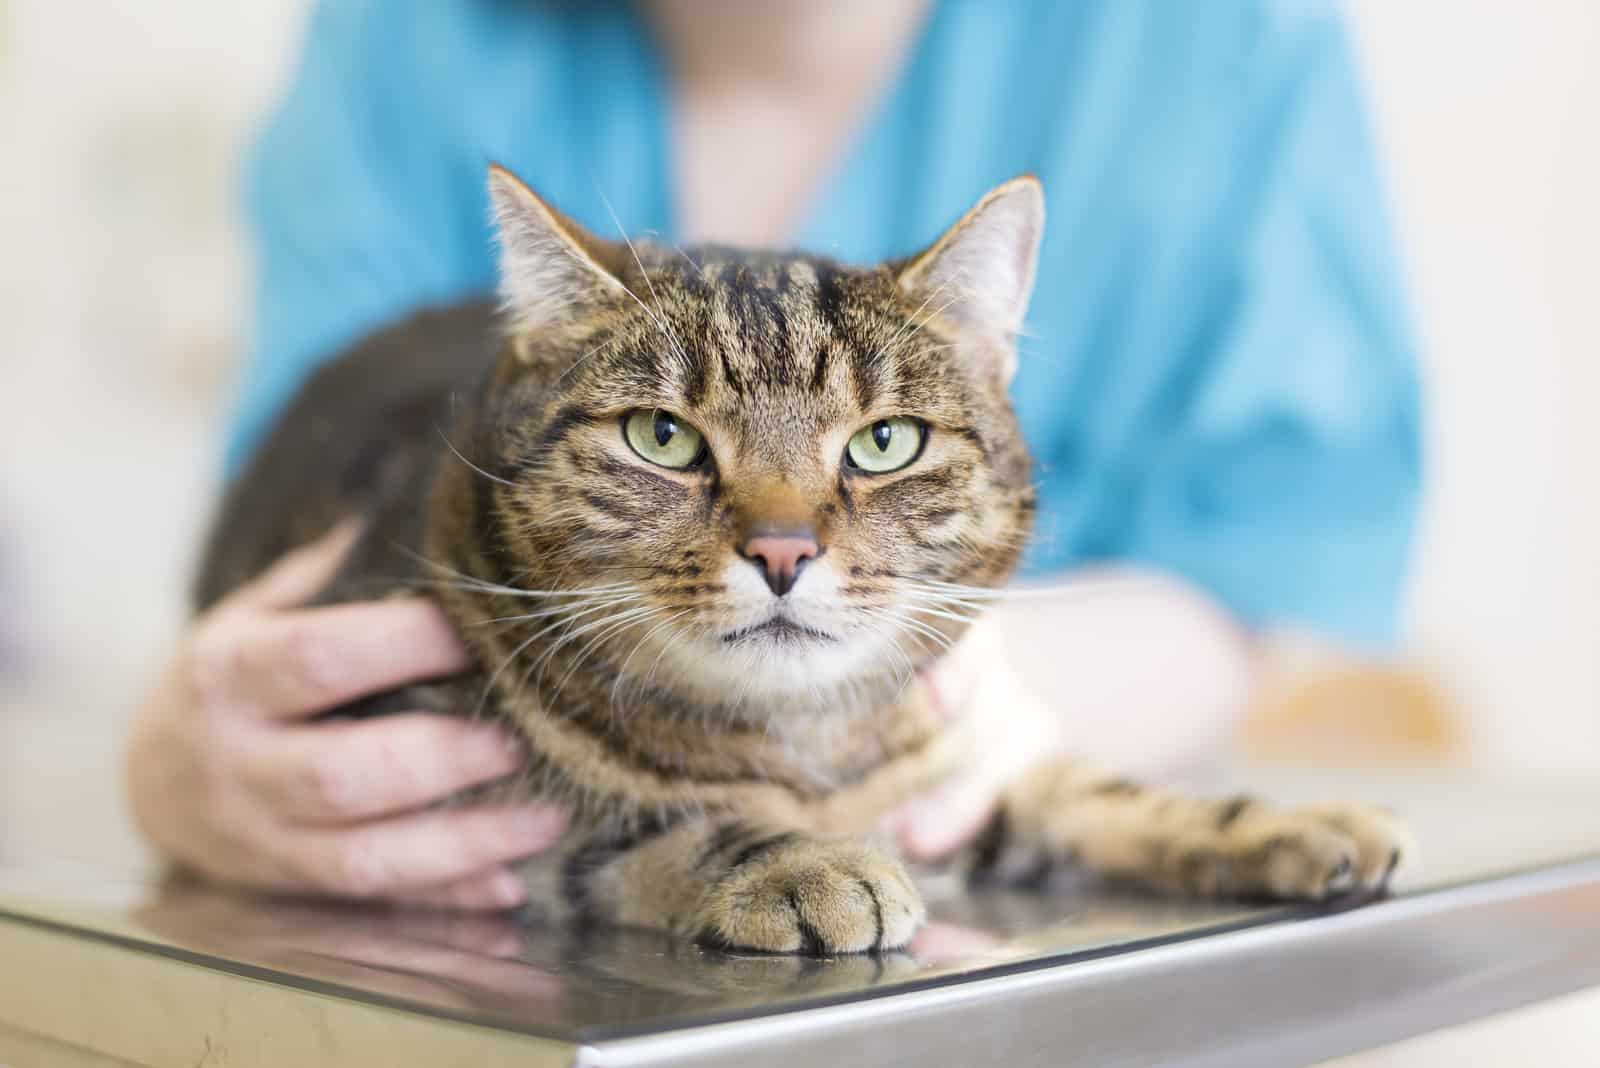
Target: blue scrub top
1218,376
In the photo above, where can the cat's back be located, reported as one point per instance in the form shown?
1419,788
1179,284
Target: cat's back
364,431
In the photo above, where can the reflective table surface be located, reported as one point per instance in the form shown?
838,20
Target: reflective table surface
122,969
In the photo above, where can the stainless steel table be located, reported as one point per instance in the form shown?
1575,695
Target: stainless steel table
101,970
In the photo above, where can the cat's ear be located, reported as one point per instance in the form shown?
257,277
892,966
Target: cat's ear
551,269
979,274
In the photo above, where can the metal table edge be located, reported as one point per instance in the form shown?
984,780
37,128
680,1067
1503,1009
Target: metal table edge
1103,1008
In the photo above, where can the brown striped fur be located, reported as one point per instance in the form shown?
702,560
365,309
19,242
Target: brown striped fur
725,784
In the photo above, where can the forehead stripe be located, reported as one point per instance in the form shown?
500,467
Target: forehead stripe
562,425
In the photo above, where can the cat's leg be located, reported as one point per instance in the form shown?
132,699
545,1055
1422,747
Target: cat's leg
736,884
1067,812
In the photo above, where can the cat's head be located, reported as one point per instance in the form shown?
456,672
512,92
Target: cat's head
775,473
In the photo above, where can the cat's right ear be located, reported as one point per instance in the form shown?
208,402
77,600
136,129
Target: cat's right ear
979,274
552,271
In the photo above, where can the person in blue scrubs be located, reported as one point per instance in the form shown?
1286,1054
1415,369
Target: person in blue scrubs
1218,379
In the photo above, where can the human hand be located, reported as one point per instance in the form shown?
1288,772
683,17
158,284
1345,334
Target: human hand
230,776
1012,730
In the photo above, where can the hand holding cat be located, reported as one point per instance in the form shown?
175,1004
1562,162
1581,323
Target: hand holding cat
1014,731
230,775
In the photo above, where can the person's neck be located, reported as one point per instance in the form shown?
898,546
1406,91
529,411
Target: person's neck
782,44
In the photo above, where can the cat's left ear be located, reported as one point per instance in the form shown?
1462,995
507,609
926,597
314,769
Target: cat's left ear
552,271
979,275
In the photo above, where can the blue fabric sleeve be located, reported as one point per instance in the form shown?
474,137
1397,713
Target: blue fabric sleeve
1282,463
345,203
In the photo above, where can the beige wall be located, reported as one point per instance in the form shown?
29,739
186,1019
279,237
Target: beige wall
1491,116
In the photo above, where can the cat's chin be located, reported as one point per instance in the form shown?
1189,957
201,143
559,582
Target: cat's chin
779,632
780,660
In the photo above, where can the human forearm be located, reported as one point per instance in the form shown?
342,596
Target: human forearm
1130,670
1149,675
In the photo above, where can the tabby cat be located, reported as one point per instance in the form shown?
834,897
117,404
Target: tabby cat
700,516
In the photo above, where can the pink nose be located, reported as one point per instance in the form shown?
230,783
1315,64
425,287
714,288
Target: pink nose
781,557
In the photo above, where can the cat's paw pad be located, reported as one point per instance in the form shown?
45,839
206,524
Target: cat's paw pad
1312,853
814,898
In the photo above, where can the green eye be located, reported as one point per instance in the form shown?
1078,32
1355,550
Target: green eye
887,445
662,438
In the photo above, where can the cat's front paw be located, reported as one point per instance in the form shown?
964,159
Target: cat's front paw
812,897
1312,853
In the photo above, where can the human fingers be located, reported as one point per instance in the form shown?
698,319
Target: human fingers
1013,731
333,774
953,679
298,663
489,891
298,575
408,853
939,943
935,826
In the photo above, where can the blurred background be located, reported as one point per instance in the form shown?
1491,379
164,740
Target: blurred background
122,276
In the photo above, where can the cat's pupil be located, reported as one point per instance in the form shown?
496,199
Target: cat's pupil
665,428
881,433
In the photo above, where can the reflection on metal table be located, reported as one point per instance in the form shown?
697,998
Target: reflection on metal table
100,970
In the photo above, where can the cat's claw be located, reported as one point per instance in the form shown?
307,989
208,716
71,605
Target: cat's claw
1307,854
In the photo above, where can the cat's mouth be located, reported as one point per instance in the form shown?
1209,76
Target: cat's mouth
778,628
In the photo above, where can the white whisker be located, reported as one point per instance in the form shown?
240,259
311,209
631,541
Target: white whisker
943,641
556,611
622,668
618,624
941,613
595,351
657,316
457,452
548,655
